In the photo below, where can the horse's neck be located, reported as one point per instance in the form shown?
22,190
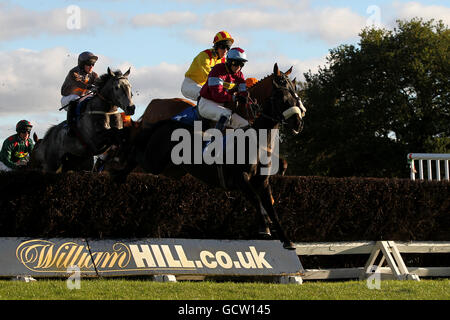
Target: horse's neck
262,90
100,102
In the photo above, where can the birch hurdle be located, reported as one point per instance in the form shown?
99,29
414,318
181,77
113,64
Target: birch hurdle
389,251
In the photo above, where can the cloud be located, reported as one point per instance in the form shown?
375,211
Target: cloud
410,10
30,84
329,24
166,19
30,81
16,21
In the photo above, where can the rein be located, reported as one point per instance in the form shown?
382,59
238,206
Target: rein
103,112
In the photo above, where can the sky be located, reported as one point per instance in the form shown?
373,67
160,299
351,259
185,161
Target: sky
41,40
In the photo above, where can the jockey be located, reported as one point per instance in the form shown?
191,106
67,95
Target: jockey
77,83
17,148
222,79
198,72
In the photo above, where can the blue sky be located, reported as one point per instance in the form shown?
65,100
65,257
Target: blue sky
159,39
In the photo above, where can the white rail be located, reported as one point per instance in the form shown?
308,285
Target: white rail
429,157
390,253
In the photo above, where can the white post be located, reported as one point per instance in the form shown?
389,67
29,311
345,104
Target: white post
430,174
438,170
447,177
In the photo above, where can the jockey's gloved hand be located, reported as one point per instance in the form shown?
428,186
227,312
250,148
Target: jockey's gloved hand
92,87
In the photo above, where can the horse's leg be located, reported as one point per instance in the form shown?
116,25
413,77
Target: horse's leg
253,197
265,194
120,175
283,164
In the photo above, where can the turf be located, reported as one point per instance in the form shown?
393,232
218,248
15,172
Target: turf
126,289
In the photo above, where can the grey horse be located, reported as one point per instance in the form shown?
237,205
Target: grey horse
97,128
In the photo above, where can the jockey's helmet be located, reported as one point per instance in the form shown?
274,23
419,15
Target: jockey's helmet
223,38
85,58
236,55
23,126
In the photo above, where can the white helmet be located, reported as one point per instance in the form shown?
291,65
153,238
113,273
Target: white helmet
237,54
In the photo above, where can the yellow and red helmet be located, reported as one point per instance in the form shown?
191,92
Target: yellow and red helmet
222,36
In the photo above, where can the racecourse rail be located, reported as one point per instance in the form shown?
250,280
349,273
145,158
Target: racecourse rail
389,251
429,157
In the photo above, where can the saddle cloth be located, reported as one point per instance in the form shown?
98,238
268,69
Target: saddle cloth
188,116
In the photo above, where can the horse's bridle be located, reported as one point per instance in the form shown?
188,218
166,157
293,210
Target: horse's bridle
282,117
109,102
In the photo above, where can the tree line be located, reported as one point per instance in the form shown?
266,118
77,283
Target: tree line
374,103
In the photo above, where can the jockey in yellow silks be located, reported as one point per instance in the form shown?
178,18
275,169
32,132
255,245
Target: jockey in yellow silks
202,64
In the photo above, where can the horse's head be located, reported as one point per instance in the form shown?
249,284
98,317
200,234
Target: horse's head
286,104
35,161
117,90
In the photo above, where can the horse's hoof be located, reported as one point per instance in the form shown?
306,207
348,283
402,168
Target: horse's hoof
265,232
289,245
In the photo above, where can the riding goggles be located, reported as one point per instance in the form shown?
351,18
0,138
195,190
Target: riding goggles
224,47
237,63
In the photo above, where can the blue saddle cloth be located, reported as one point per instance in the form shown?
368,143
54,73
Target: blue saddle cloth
187,116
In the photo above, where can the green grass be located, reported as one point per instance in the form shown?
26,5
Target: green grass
125,289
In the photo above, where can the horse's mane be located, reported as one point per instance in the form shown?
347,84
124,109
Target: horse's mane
259,88
262,81
49,131
101,81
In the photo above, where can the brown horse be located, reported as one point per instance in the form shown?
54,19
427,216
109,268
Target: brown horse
164,109
152,150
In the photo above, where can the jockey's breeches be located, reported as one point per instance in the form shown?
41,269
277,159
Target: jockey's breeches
65,100
213,111
190,89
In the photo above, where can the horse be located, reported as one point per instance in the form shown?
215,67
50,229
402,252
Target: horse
164,109
153,147
97,127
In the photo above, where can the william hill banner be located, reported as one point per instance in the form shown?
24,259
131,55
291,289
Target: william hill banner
53,257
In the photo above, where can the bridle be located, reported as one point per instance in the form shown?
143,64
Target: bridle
106,100
276,114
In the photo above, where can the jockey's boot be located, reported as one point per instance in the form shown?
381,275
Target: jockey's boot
99,165
220,125
71,118
223,121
